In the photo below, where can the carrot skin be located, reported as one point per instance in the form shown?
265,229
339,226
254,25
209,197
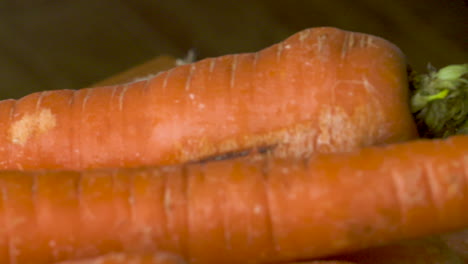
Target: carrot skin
125,258
6,107
320,90
240,211
161,258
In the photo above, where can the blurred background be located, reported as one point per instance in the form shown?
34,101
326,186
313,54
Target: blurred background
60,44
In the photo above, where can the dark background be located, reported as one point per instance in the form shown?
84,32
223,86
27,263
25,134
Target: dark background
65,44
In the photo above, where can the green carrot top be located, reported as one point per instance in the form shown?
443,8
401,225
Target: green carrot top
439,101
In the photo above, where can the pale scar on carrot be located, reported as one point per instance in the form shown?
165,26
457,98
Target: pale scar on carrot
347,131
29,125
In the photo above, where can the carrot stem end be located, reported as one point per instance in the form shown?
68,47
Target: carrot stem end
439,101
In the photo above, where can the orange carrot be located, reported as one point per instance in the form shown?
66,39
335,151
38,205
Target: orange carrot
239,211
162,258
126,258
320,90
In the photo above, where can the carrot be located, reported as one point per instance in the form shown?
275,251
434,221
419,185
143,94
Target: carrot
320,90
240,210
125,258
161,258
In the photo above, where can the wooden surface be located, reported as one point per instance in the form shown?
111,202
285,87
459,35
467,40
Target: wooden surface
51,44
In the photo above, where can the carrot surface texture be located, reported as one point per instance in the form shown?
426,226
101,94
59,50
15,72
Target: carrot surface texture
161,258
239,210
125,258
320,90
